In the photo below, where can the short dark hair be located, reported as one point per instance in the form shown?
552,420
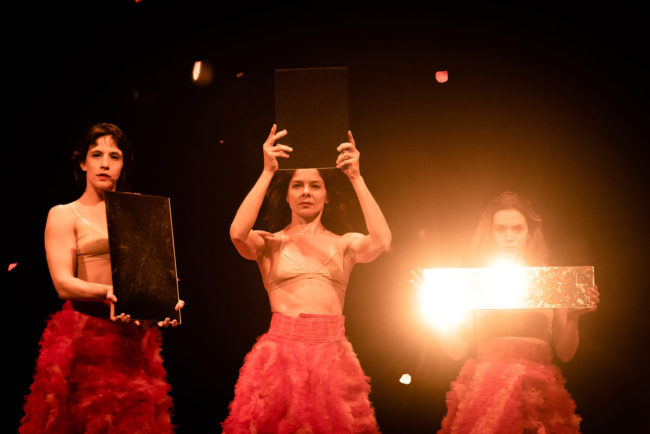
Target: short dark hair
89,138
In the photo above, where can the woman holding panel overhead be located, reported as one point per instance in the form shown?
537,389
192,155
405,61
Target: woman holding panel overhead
303,375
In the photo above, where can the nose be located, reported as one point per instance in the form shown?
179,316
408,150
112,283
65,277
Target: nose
305,190
105,162
509,236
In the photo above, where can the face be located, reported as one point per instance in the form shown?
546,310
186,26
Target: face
510,234
306,194
103,164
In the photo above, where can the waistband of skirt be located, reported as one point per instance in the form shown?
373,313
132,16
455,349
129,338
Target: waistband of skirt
500,349
308,327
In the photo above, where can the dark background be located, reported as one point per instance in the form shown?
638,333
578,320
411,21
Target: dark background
550,102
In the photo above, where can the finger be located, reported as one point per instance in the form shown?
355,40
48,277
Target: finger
174,323
160,323
344,162
280,135
137,322
127,318
180,305
272,132
351,138
347,146
281,147
346,156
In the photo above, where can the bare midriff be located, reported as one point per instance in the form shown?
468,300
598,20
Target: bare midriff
307,295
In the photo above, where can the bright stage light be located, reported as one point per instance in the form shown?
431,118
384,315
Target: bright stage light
405,379
196,71
201,73
443,297
447,295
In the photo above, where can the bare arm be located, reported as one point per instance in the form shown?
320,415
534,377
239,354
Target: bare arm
60,252
565,327
368,247
248,242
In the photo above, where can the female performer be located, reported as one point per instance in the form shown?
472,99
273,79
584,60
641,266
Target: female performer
511,386
94,374
303,375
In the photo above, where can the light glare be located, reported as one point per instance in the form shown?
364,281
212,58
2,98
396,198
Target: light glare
196,71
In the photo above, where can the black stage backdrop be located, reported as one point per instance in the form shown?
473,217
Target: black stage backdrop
549,102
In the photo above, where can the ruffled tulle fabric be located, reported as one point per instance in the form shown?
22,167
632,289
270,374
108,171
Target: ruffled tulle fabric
511,387
302,376
96,376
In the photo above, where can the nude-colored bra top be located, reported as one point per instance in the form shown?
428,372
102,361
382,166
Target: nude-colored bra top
534,323
93,263
286,267
92,244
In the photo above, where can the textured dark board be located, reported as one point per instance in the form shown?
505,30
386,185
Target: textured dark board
312,105
143,261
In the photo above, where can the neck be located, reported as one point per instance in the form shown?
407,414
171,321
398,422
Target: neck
91,196
300,225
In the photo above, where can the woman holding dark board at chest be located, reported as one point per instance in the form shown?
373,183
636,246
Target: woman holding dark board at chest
96,372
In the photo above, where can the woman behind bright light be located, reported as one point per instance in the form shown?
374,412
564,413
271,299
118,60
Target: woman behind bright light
303,375
511,386
96,372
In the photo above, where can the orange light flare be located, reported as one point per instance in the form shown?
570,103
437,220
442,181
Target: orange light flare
448,295
201,73
442,76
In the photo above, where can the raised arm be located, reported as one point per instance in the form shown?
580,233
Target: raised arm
250,243
60,252
368,247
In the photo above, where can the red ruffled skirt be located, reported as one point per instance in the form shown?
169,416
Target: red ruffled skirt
511,387
302,376
96,376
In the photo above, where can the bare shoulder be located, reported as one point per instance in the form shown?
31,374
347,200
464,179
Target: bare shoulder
61,216
272,241
347,238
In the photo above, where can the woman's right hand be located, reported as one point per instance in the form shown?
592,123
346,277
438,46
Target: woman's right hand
123,318
272,150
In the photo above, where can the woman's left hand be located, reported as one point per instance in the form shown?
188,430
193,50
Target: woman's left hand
348,159
594,297
167,322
